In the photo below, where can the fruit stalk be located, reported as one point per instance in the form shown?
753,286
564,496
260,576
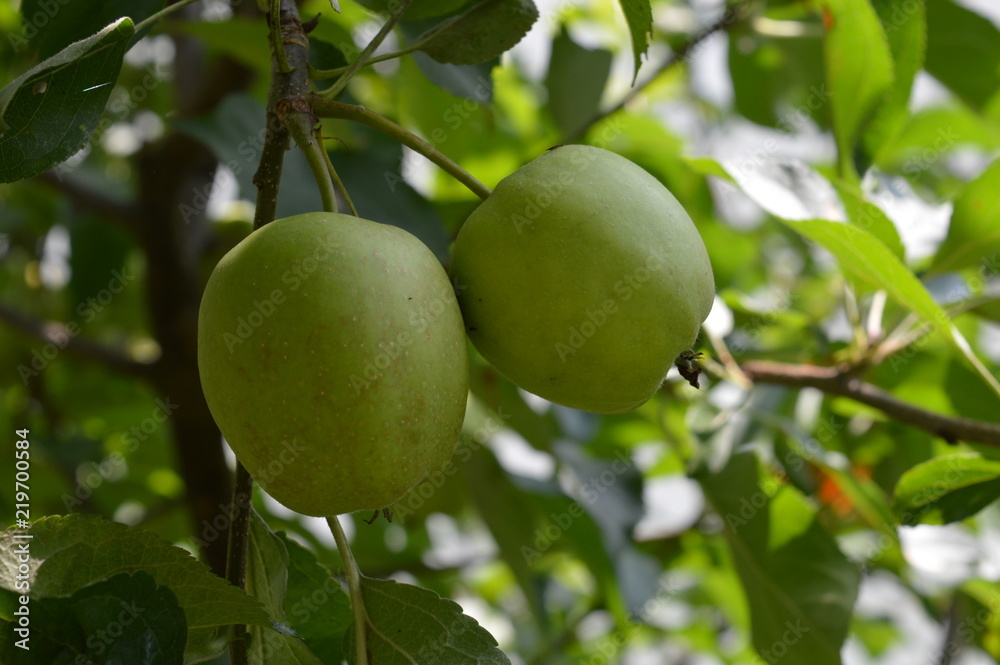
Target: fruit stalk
353,575
326,108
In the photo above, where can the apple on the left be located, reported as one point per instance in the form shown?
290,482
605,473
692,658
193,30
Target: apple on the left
333,358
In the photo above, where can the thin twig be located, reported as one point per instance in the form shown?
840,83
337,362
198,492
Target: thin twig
326,108
300,127
64,337
359,62
835,381
333,172
728,19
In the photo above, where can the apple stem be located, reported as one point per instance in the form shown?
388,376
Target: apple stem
326,108
318,131
353,575
302,133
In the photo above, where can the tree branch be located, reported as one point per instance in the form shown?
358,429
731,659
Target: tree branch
287,95
92,200
64,336
833,381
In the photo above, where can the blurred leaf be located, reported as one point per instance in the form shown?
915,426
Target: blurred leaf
974,232
876,634
469,81
316,605
639,17
858,71
512,520
800,587
408,625
243,39
125,618
74,551
59,23
778,82
49,112
267,581
235,133
610,490
417,10
483,32
905,27
957,486
575,82
963,51
97,249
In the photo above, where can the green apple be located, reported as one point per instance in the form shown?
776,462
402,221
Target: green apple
333,358
581,279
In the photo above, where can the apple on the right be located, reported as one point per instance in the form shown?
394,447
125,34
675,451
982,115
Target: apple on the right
581,279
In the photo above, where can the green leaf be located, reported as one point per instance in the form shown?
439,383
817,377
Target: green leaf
73,551
974,231
858,71
956,486
126,618
49,112
639,17
868,215
316,605
61,22
267,580
905,26
482,33
963,51
778,81
408,625
575,82
799,586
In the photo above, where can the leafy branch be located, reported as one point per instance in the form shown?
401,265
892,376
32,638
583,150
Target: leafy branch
845,383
